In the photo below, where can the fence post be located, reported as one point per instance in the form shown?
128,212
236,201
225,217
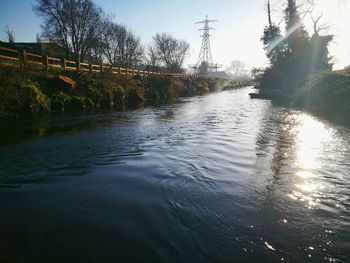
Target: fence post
101,68
46,62
78,65
126,71
119,71
64,64
24,53
90,67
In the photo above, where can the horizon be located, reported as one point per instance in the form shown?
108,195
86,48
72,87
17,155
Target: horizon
236,33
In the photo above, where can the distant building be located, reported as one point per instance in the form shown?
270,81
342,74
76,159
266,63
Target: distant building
215,74
51,49
219,74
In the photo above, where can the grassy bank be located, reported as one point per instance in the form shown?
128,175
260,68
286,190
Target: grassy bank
25,91
327,95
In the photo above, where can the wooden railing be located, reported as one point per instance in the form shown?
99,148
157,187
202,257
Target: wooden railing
26,58
14,53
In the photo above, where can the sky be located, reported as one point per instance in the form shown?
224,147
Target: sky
236,36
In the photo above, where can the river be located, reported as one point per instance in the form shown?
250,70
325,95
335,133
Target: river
214,178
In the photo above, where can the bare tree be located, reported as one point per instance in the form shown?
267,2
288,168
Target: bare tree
133,50
121,47
171,51
305,7
152,58
95,54
268,6
317,27
74,24
237,69
10,35
37,37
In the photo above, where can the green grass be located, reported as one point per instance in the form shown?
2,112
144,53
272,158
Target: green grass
33,91
327,94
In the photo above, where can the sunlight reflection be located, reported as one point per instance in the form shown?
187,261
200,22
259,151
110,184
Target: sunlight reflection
309,200
305,174
311,135
311,138
309,187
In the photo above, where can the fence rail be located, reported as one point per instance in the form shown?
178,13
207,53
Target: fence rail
11,52
24,57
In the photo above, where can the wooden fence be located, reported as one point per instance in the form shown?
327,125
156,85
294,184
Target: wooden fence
26,58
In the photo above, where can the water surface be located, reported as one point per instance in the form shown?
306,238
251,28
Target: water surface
217,178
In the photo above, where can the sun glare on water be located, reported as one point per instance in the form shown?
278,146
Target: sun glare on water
312,136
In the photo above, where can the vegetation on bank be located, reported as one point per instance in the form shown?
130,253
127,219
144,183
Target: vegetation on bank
300,71
328,95
24,91
83,32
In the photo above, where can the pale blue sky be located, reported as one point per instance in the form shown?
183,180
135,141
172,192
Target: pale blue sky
237,34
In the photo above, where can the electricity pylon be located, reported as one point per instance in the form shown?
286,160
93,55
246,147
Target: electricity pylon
205,63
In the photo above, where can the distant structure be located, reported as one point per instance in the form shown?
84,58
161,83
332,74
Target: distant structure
205,65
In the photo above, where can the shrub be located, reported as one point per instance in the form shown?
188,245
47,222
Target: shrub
59,100
20,95
327,93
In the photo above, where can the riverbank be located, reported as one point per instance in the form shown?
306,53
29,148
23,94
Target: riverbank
326,95
26,91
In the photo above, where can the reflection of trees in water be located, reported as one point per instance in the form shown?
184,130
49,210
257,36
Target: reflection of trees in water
275,149
276,154
299,163
168,111
16,131
166,115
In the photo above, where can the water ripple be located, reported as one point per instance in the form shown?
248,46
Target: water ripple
217,178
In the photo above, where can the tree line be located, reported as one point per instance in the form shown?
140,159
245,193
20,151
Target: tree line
295,55
87,33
